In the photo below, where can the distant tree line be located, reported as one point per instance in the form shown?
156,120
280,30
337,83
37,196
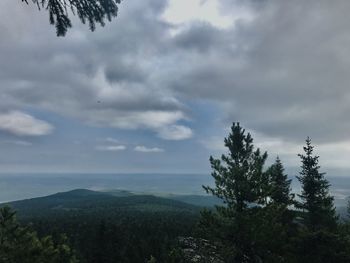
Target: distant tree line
261,220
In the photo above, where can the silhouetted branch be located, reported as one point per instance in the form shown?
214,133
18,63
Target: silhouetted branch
91,11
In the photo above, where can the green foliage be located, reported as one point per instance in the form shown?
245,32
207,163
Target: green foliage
91,11
20,244
248,227
238,174
322,246
258,222
103,228
176,255
315,197
279,185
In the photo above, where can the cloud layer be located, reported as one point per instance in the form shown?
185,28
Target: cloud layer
278,67
105,79
283,72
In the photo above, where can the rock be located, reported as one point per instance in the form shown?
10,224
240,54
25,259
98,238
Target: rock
198,250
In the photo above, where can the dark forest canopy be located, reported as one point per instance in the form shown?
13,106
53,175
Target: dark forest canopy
89,11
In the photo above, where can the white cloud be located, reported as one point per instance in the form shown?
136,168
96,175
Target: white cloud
184,11
144,149
109,139
23,124
111,148
175,132
147,119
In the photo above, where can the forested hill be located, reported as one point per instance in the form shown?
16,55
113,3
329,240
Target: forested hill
93,202
114,226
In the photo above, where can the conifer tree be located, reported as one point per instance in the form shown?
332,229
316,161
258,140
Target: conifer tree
279,185
316,201
237,175
90,11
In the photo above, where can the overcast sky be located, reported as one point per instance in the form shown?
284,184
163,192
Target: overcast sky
157,89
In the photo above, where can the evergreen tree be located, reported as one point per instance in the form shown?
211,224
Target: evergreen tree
316,202
238,177
279,185
91,11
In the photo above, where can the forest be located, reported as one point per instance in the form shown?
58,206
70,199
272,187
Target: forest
260,218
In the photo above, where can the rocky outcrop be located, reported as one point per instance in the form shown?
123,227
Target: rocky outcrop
198,250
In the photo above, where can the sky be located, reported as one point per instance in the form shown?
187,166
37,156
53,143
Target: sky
157,89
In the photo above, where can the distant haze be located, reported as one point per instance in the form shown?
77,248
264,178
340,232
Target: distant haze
22,186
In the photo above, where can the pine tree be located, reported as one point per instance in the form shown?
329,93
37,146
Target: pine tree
279,185
316,202
237,176
91,11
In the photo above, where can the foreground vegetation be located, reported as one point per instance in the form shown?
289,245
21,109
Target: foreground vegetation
101,227
262,220
21,244
259,219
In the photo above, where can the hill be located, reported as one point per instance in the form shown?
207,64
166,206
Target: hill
97,203
116,226
197,200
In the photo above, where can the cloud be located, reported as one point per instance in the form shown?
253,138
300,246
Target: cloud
182,11
116,86
214,143
111,148
175,132
281,72
109,140
278,67
22,124
17,142
144,149
110,145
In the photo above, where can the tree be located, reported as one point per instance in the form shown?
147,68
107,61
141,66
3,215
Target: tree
238,182
237,175
20,244
321,239
279,185
91,11
316,202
